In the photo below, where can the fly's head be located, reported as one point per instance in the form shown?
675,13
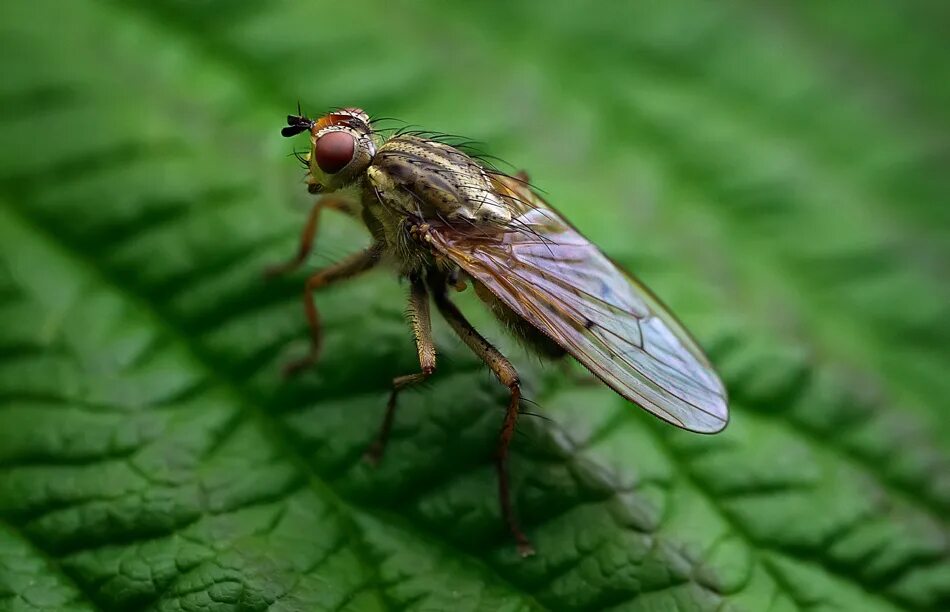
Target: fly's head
342,145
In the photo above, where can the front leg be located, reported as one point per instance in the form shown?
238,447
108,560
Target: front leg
353,265
421,323
309,233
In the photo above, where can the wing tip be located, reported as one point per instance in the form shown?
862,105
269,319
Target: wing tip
714,428
710,418
718,420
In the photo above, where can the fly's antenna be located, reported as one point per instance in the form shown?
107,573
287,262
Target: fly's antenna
297,123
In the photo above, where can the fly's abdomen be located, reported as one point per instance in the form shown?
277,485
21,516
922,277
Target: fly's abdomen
522,330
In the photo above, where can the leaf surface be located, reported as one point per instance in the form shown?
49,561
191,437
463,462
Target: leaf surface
776,174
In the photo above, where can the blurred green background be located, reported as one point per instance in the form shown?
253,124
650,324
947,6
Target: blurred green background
776,171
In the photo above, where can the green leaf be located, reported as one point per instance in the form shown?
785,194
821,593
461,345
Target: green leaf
776,173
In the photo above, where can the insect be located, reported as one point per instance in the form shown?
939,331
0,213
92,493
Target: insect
443,218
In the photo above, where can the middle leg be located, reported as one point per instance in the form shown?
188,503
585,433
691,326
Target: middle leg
421,323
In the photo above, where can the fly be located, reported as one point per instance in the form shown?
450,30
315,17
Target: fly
447,219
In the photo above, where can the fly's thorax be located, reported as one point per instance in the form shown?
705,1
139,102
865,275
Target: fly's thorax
393,229
430,179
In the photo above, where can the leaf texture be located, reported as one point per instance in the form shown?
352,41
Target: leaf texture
775,172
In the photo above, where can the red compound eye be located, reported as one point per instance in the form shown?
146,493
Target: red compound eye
334,151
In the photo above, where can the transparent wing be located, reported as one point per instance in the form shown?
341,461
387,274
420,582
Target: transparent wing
554,278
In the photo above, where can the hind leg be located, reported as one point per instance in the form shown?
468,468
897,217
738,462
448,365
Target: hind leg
508,376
